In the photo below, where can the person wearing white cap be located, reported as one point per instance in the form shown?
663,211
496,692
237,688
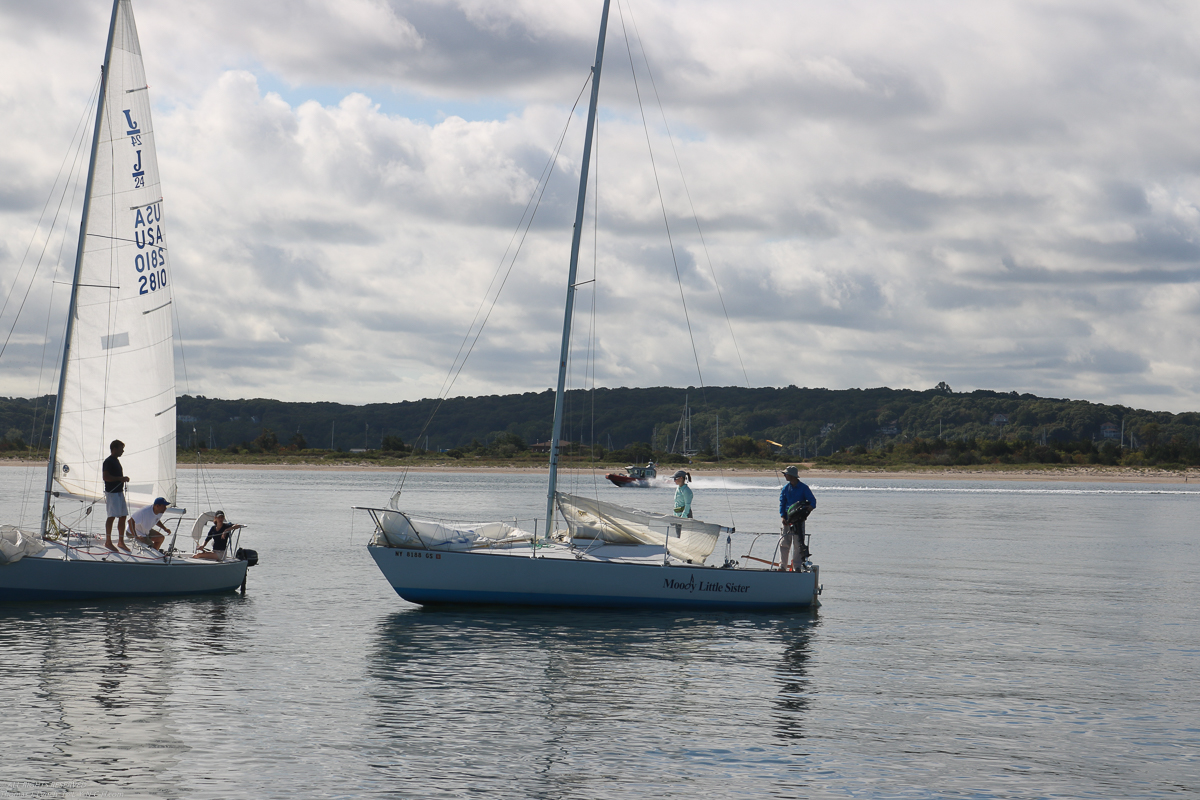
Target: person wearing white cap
793,498
683,495
143,521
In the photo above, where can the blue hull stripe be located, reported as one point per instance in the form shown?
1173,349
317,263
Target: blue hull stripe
435,596
34,595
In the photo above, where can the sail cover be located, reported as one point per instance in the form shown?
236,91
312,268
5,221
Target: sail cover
120,370
688,539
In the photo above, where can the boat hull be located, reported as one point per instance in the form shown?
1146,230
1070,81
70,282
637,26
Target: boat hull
626,481
428,577
34,578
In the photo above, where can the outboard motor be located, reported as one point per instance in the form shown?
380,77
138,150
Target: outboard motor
797,514
249,556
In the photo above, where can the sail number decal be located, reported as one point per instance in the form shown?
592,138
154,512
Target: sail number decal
135,139
151,259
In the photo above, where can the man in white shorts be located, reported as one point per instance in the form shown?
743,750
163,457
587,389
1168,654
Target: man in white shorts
144,520
114,494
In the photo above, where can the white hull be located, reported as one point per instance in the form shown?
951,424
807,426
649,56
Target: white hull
50,576
559,579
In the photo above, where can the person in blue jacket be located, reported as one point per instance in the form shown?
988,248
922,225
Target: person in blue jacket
794,491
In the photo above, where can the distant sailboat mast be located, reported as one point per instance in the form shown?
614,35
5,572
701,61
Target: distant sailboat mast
71,312
570,306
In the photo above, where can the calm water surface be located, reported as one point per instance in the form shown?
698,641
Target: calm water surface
977,640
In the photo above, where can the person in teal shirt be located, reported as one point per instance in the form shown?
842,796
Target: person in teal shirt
683,495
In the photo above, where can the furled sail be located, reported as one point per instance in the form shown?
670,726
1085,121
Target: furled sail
120,371
689,539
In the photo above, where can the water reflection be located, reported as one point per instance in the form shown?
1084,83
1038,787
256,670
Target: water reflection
99,688
795,691
574,704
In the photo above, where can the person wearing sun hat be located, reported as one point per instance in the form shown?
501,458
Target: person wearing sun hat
792,493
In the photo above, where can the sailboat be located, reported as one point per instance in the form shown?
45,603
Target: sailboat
606,556
117,379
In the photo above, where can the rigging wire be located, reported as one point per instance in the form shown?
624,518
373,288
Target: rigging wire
519,236
695,216
80,126
687,192
662,202
72,178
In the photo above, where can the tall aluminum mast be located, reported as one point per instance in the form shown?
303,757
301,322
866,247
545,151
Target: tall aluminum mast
566,336
87,205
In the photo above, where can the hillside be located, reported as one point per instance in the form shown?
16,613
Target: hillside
838,423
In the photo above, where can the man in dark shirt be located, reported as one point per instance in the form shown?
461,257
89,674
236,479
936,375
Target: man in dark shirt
114,494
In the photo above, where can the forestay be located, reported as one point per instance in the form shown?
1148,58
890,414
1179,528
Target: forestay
687,539
120,372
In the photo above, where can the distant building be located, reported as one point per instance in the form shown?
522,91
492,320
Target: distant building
891,429
358,449
827,429
999,419
1109,430
540,447
186,418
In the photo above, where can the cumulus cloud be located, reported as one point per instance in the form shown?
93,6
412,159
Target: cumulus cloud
1002,196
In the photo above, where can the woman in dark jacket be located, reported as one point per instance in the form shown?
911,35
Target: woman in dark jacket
219,535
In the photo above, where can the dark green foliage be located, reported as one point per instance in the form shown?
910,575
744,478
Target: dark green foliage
936,426
637,454
265,442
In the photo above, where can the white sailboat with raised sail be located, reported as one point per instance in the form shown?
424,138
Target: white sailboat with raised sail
117,378
606,556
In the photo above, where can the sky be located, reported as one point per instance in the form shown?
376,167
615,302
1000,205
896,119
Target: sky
1000,195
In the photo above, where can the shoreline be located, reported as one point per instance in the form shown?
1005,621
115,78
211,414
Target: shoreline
1075,474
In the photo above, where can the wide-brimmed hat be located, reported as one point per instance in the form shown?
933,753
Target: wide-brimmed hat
792,472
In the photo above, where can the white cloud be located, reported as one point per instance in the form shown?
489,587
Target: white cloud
1003,196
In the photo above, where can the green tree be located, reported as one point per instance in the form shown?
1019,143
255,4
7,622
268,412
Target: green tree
267,441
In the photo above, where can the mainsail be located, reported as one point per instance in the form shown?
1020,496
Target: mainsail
689,539
119,380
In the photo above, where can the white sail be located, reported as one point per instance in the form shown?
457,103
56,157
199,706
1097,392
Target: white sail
687,539
120,371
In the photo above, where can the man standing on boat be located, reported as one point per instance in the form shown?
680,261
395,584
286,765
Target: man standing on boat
793,498
114,494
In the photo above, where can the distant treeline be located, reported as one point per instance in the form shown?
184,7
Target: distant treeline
936,426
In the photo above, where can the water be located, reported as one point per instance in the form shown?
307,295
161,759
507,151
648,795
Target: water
977,640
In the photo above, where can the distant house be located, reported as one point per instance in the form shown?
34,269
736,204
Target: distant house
540,447
891,429
827,429
1109,430
999,419
186,418
358,449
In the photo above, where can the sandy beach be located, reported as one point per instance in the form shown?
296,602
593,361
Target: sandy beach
1076,474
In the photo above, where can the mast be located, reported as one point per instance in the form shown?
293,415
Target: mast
570,305
71,312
